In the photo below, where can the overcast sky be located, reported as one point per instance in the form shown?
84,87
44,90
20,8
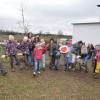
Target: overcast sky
48,15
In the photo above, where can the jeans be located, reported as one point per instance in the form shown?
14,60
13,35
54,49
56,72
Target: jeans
67,61
57,62
86,61
30,58
37,65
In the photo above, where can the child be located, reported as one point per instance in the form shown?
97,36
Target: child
24,47
43,53
67,60
74,60
89,56
2,70
94,60
68,57
11,51
37,58
85,56
97,70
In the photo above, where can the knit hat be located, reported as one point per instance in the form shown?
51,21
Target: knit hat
38,44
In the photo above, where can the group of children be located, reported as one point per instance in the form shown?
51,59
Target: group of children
33,50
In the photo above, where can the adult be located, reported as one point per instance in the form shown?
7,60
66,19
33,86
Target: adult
29,35
31,47
37,39
57,55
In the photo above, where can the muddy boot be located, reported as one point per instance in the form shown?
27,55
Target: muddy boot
34,74
66,69
56,68
95,76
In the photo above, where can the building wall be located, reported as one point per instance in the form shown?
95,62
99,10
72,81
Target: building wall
89,33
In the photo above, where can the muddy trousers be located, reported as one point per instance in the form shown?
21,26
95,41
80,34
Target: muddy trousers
12,58
52,60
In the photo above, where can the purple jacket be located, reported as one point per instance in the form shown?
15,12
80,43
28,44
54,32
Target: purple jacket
24,47
11,48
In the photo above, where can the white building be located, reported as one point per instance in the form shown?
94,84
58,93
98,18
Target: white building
87,32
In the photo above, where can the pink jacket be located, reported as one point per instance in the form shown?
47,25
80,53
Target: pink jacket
98,56
38,53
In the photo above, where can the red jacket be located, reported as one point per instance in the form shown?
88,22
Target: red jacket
38,53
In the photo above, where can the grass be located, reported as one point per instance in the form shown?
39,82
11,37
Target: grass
50,85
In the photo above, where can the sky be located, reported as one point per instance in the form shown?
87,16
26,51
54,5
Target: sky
47,15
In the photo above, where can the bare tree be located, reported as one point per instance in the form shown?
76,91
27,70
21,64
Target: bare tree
22,14
23,24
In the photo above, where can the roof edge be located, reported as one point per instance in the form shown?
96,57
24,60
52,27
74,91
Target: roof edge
86,23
